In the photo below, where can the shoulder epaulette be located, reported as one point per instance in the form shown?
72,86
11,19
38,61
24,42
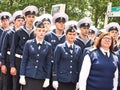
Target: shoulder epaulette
92,49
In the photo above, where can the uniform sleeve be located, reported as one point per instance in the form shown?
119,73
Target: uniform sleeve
55,64
15,42
84,72
24,59
49,58
4,49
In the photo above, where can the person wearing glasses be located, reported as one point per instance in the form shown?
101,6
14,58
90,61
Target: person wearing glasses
99,70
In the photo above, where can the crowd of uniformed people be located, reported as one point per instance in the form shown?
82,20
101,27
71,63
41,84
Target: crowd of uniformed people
54,53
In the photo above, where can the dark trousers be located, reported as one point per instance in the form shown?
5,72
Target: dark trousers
33,84
50,87
66,86
118,88
1,80
7,78
16,85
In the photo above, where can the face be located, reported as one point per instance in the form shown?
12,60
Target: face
19,22
5,23
40,33
106,42
84,31
47,25
30,19
91,35
114,34
71,36
60,26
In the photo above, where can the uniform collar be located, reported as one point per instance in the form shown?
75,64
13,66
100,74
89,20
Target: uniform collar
38,41
104,51
69,44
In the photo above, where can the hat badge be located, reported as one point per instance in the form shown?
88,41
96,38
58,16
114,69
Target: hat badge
86,24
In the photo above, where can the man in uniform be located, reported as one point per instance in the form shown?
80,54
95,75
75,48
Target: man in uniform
5,19
114,28
20,37
92,32
83,40
47,21
57,36
5,51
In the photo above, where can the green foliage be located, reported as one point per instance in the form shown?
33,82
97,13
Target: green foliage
76,9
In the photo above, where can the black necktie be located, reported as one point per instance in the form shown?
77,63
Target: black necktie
106,54
70,47
39,45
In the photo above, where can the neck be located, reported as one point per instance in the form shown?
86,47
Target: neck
28,26
70,42
59,32
39,39
85,37
106,49
5,28
16,28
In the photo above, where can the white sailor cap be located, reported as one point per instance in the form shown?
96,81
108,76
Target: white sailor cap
30,10
17,14
70,23
84,22
113,26
46,17
5,15
93,29
60,17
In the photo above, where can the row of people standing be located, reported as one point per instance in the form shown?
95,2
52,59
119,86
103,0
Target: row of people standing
40,63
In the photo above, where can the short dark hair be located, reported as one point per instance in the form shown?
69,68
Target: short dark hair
60,19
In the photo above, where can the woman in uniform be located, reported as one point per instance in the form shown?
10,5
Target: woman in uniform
36,62
100,66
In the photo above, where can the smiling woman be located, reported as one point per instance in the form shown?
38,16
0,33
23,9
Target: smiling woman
100,67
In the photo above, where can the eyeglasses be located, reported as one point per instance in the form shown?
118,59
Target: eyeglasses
106,38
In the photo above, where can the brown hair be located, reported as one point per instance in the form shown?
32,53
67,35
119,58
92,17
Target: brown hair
98,41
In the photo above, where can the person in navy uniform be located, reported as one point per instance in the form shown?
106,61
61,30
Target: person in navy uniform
114,28
67,59
56,36
47,21
118,54
100,66
5,19
20,37
92,32
18,19
83,40
5,51
36,62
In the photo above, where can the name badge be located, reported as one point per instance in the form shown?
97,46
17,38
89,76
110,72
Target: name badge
66,53
53,41
23,37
